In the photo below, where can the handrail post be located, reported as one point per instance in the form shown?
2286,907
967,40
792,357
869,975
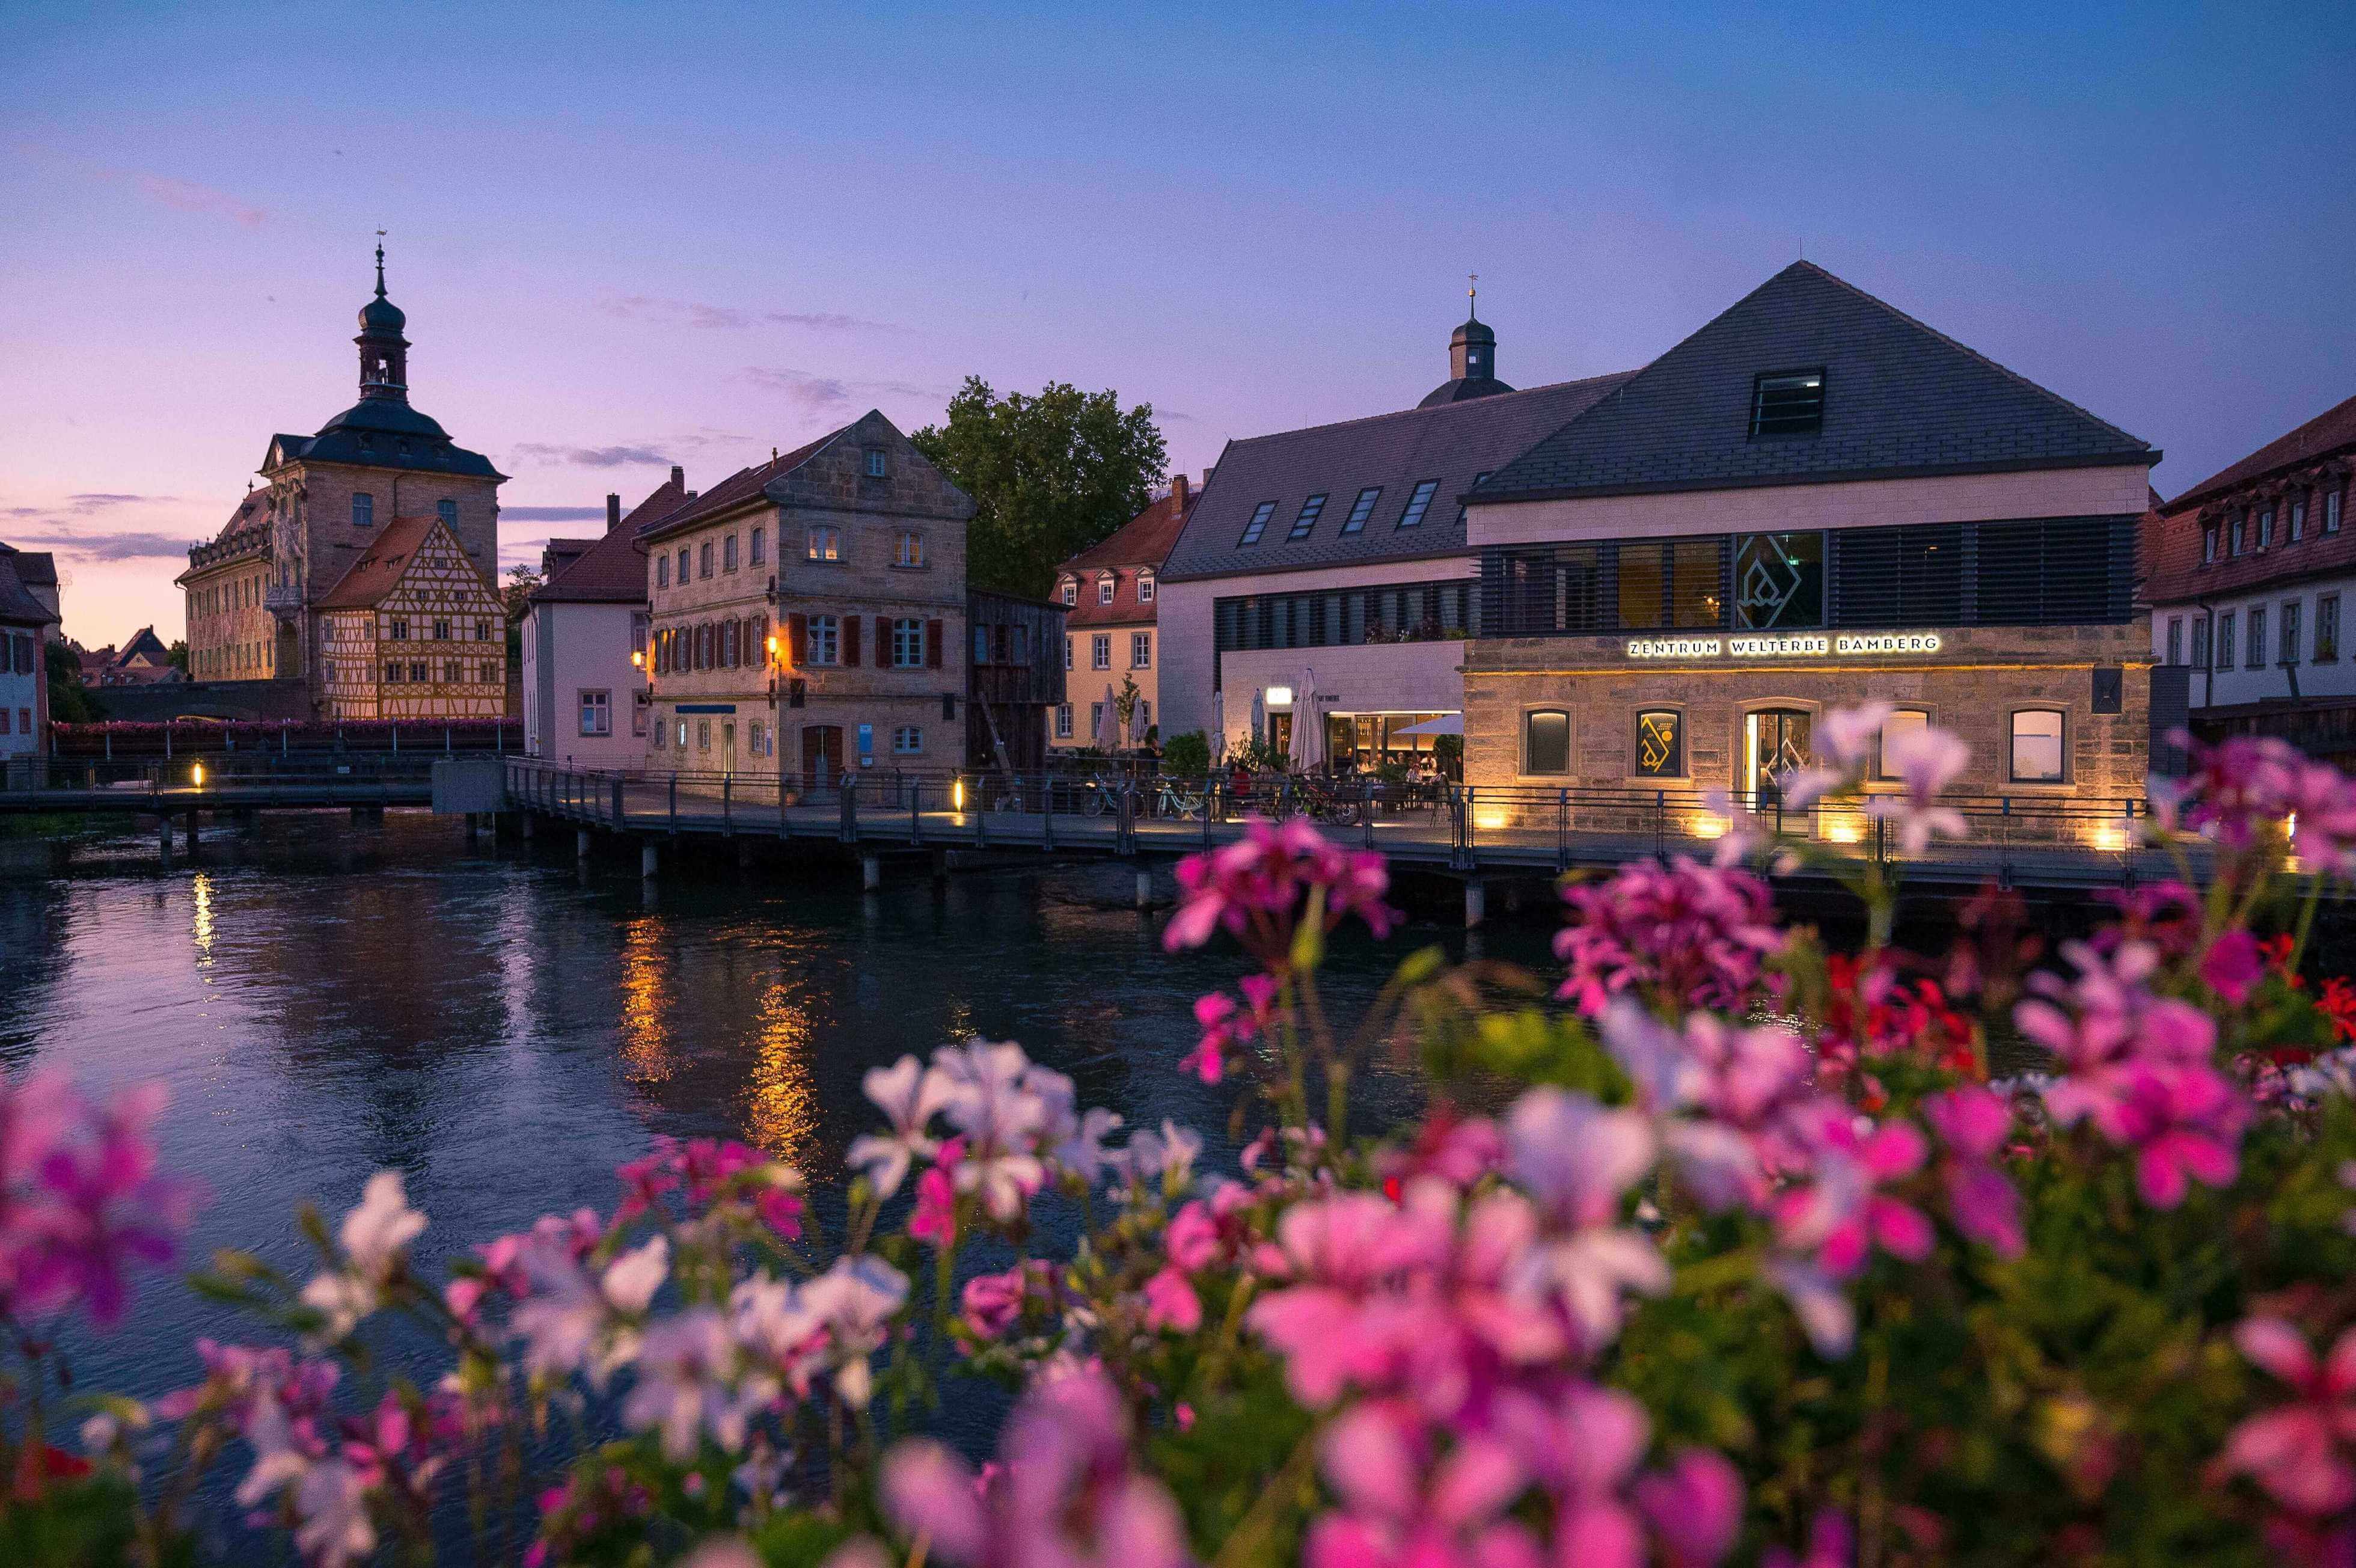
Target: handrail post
1047,820
728,805
674,802
848,807
619,814
915,811
1366,810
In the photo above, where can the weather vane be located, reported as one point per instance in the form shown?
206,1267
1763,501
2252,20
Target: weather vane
1472,291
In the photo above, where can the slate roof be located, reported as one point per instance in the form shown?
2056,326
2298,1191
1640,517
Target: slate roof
384,433
743,485
34,568
2327,432
17,605
1449,442
1145,541
613,568
377,571
1899,400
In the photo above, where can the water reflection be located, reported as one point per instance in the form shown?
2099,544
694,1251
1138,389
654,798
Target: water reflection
784,1101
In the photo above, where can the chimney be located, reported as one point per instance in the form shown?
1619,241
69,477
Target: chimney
612,511
1178,490
678,475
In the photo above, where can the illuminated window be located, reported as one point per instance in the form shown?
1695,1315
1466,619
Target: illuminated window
825,544
2037,746
1546,741
911,552
1902,722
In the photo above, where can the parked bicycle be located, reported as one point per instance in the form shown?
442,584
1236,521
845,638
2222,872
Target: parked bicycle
1171,800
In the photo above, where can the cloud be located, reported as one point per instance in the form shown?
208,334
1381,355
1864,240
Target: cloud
732,318
191,197
551,514
824,394
131,546
591,456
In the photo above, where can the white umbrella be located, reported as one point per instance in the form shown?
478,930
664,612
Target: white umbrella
1260,716
1219,725
1137,724
1108,735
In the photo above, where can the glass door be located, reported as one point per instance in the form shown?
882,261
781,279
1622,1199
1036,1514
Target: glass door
1774,745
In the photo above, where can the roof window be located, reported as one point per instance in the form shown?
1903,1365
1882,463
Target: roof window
1418,504
1362,508
1310,510
1258,524
1789,403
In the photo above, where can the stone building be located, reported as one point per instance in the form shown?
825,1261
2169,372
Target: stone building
1812,501
414,630
27,621
2252,573
1111,595
254,591
810,615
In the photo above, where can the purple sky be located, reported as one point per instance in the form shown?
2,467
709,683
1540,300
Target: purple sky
627,236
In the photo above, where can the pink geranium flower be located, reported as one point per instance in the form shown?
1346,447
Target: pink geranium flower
1696,935
1840,1215
2298,1451
102,1209
1256,888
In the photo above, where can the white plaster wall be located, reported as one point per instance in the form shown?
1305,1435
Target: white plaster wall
2333,678
1864,503
591,649
1186,643
20,695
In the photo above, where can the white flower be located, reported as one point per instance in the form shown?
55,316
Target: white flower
1926,761
567,1323
1589,1271
776,1327
343,1299
1845,737
277,1461
909,1096
1081,1150
1822,1307
375,1232
1575,1157
687,1376
1166,1157
856,1300
989,1099
331,1503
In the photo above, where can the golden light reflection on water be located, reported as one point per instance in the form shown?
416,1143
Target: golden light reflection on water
782,1110
200,896
647,1055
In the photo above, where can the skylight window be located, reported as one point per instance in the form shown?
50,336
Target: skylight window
1362,508
1310,510
1418,504
1258,524
1791,404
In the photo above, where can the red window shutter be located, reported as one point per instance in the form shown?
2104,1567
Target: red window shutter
851,639
932,645
885,652
798,638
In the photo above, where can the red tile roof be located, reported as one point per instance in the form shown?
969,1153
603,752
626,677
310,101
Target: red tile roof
2327,431
742,486
2310,462
613,569
1145,541
378,571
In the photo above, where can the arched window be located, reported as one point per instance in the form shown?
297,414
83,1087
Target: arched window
1546,741
2038,755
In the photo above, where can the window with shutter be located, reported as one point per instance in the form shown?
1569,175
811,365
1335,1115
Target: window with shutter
851,640
932,645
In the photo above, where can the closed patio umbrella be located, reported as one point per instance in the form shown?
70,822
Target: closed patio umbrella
1260,717
1219,725
1305,748
1107,736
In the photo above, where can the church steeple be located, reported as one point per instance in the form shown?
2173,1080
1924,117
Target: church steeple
1471,358
384,352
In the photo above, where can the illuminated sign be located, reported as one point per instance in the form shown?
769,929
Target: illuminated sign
1804,646
1279,697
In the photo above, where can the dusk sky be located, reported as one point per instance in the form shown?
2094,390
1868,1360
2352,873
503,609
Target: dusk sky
628,236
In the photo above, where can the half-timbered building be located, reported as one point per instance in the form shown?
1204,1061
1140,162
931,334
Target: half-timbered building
414,630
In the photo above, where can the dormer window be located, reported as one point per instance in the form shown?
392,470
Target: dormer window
1104,588
1071,591
1145,587
1790,402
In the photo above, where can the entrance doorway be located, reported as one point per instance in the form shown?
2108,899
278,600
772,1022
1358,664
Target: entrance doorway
1774,745
821,755
728,747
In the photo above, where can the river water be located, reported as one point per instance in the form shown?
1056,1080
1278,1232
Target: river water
325,999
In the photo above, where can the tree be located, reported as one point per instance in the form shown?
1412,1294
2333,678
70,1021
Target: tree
1049,475
521,584
70,702
177,656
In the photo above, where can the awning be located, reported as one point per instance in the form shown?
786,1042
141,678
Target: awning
1446,724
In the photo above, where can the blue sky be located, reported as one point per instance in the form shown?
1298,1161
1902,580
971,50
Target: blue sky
630,235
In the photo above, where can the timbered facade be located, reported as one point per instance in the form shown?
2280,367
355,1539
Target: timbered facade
414,631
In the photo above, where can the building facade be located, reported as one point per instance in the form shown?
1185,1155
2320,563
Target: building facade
325,500
1814,501
2252,575
810,615
1111,598
588,695
1332,566
26,623
1015,679
413,631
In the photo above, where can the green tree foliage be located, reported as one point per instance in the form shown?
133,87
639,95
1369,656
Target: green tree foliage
177,656
69,701
1187,755
1050,475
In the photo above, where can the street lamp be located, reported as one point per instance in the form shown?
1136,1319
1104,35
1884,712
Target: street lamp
197,775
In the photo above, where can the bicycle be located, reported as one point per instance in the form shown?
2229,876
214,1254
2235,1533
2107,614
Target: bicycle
1173,801
1103,794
